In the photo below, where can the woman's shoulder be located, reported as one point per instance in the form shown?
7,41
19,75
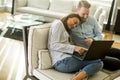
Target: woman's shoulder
57,23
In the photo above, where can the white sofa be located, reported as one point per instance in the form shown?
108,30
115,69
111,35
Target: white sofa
47,8
39,61
56,9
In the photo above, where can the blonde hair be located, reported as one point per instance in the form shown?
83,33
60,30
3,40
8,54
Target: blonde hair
84,3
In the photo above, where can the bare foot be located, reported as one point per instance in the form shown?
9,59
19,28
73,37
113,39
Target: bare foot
72,79
80,76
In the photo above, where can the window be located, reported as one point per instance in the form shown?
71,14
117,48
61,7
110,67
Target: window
1,2
6,2
5,5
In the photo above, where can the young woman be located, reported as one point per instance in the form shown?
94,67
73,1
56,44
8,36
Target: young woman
62,51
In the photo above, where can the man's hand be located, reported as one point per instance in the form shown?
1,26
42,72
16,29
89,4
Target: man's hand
80,50
88,41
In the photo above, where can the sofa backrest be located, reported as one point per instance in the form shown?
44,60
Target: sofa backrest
37,40
42,4
64,6
20,3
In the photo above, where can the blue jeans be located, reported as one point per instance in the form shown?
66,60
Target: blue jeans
72,64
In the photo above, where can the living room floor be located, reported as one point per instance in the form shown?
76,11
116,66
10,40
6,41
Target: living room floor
12,60
116,38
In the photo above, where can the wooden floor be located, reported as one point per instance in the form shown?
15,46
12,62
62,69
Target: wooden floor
109,36
12,60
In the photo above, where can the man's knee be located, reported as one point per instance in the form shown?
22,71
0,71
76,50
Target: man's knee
111,63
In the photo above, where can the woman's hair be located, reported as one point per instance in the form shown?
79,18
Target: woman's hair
64,20
84,3
72,15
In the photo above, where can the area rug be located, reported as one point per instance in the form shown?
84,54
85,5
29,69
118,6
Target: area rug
14,34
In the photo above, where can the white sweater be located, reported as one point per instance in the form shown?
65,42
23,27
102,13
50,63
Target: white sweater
58,43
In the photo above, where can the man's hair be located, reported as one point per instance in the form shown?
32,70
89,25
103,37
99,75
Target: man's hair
84,3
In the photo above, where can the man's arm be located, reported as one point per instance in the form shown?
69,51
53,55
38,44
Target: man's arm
97,32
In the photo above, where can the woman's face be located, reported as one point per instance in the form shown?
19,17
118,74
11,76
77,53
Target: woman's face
73,22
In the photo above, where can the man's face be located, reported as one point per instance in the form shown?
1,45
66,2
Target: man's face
83,12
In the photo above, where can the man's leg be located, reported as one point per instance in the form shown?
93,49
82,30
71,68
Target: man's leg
114,52
112,60
111,63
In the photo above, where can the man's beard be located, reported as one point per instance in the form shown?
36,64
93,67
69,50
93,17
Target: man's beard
83,19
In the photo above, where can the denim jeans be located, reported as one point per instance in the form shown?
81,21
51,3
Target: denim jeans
72,64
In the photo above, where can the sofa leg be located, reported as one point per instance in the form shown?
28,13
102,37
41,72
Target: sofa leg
27,77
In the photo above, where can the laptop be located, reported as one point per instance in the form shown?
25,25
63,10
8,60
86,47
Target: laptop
97,50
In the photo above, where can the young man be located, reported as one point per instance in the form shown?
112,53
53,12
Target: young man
85,33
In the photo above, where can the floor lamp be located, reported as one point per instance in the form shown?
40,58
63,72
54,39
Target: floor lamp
110,16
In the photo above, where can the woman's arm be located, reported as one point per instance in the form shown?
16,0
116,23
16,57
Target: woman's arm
59,38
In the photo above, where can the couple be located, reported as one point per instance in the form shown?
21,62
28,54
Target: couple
75,27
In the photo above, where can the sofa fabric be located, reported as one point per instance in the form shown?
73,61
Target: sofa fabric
42,4
44,60
64,6
20,3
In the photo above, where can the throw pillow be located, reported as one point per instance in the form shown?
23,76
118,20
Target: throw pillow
44,59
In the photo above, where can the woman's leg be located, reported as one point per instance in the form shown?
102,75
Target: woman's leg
68,65
92,67
72,64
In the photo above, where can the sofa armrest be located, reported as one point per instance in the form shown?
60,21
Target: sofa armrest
37,40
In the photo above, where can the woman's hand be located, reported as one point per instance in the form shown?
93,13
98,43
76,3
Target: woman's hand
80,50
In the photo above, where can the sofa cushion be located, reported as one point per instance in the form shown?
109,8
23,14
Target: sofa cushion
44,59
42,4
52,74
65,6
21,3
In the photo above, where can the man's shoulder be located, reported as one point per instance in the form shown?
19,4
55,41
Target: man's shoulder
91,18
